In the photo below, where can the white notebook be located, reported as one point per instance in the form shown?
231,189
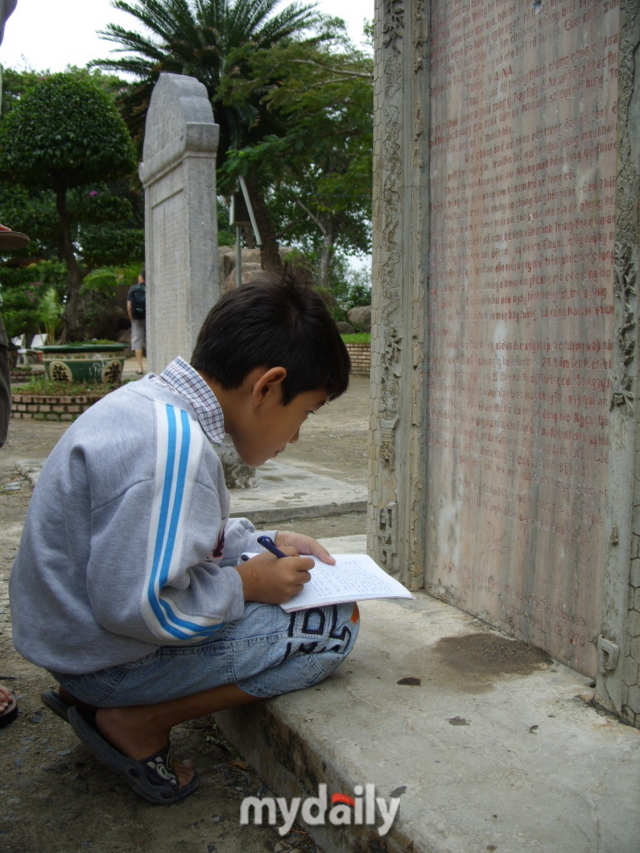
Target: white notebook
355,577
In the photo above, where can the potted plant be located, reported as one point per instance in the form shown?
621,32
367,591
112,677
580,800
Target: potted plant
86,361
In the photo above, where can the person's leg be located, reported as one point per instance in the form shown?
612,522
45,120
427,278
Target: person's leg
138,341
266,653
142,730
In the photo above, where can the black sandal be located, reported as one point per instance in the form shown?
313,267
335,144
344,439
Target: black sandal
152,778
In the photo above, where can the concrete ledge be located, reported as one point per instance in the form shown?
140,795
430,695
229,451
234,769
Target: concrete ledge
497,752
289,491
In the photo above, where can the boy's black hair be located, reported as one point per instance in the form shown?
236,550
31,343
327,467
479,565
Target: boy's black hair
278,320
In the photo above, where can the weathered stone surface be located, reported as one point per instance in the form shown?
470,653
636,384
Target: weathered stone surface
504,305
178,174
345,328
522,277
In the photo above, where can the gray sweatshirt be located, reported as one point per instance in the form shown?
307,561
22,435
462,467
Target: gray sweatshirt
127,543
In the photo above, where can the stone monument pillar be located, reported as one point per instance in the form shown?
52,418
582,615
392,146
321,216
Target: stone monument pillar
505,455
178,174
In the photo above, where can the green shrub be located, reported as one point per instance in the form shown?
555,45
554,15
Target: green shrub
22,291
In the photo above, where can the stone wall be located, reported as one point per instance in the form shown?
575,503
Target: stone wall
51,408
360,355
504,367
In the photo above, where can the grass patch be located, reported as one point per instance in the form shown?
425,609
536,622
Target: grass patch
357,338
46,388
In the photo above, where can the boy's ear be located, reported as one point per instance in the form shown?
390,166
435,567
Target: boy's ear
268,383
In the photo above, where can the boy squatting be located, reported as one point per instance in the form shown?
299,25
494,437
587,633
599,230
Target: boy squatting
128,586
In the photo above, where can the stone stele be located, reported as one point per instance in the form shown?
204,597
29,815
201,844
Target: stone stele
178,174
504,460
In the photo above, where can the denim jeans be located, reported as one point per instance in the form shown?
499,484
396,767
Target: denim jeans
266,653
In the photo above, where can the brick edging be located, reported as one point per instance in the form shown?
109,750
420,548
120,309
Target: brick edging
51,408
360,355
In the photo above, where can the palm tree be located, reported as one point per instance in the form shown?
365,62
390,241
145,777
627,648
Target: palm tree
205,39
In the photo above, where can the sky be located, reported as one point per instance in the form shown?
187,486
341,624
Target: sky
51,34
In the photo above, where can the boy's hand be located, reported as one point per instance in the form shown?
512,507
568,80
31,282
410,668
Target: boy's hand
274,580
303,545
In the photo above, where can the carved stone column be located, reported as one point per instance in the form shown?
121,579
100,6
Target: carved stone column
398,463
618,682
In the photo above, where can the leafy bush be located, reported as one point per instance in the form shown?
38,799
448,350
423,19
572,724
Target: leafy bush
23,289
50,312
107,280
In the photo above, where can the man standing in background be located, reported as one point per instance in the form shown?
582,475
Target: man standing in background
136,309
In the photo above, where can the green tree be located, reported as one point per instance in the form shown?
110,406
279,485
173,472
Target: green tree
23,289
62,135
321,167
197,37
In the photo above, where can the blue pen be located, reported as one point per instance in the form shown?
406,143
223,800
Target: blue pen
268,543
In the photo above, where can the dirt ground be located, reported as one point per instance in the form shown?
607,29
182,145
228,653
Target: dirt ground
54,796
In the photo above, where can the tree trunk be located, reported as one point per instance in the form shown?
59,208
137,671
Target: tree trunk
326,252
73,314
269,254
326,224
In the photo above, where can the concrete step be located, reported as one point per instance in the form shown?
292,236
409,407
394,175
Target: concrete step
291,491
489,746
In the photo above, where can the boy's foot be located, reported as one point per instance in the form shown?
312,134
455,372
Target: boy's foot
8,707
155,777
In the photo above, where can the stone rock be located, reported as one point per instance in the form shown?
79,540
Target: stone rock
360,317
345,328
249,256
249,273
227,263
237,475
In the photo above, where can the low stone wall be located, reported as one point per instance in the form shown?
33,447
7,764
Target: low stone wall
20,374
51,408
360,355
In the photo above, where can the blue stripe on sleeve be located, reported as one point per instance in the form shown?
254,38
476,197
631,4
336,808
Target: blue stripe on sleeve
169,519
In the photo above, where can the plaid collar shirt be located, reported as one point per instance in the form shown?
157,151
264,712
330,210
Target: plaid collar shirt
183,380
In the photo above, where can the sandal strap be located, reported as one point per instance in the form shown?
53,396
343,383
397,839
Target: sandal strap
159,770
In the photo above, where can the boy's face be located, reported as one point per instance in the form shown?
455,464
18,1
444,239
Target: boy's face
272,426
